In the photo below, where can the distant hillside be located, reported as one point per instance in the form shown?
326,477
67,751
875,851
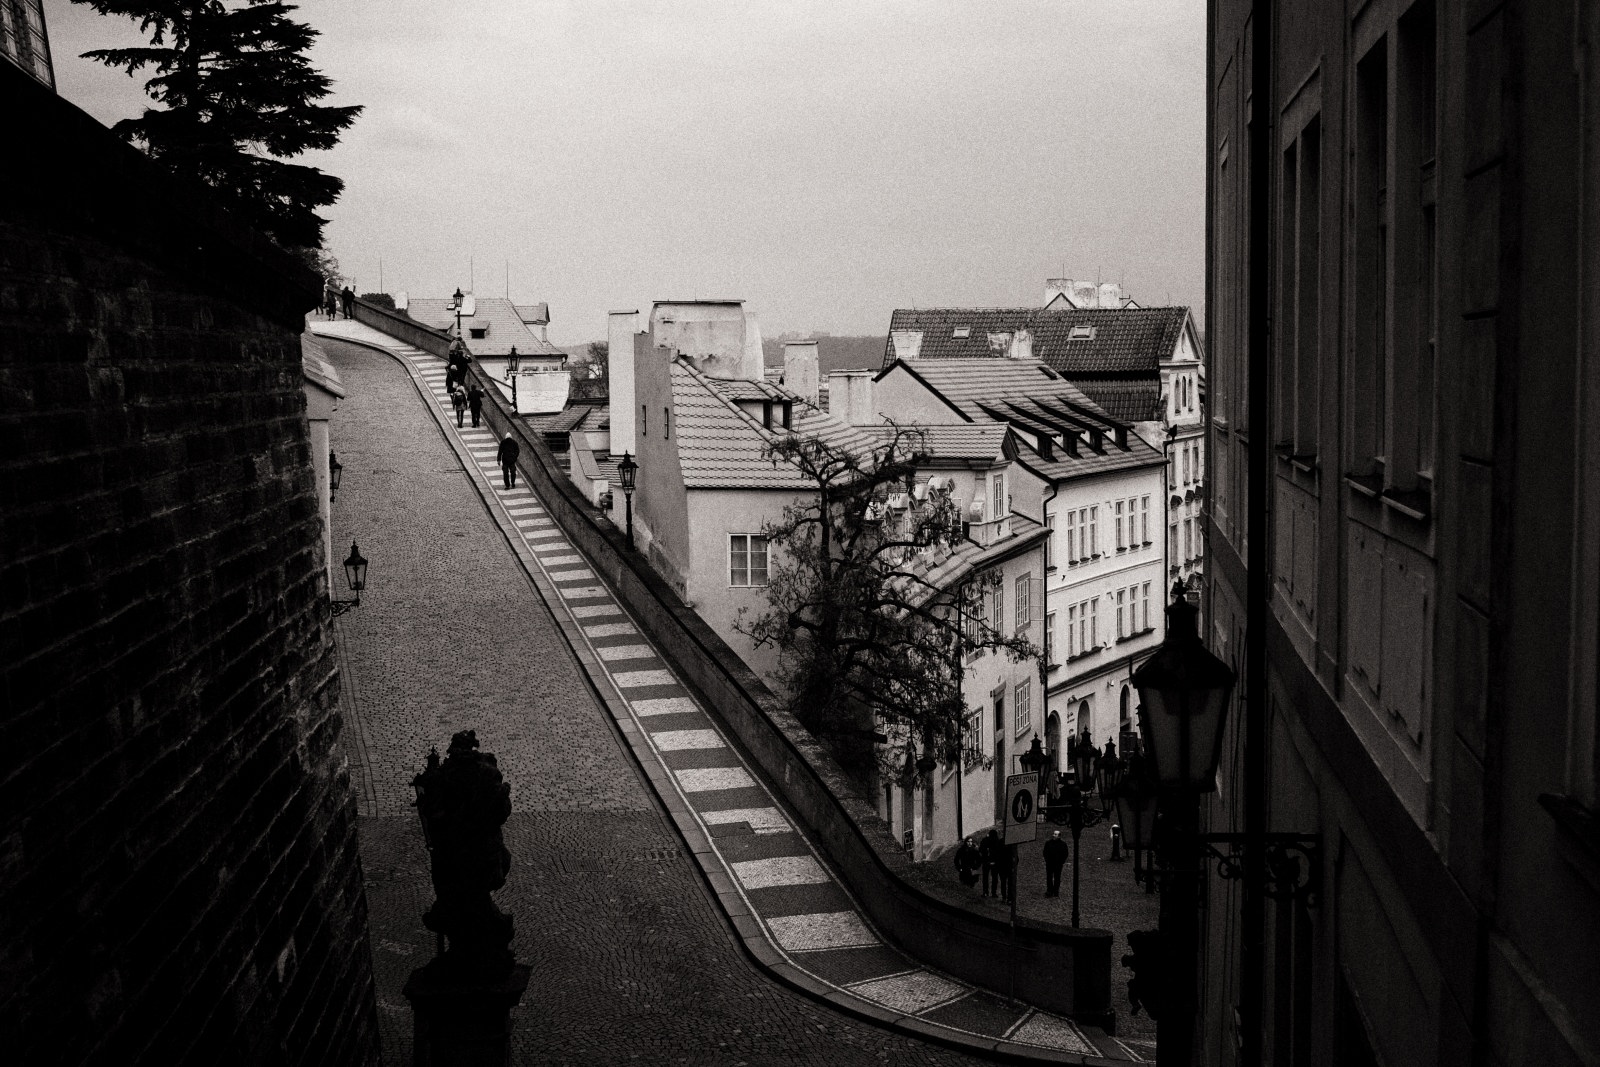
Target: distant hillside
835,353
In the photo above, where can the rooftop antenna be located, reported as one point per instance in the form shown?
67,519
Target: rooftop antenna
380,274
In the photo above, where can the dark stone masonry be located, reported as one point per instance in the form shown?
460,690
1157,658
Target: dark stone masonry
178,862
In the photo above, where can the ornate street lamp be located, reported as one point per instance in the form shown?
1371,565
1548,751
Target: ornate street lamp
335,469
355,575
1183,694
1109,775
1135,805
1034,761
513,361
627,470
455,305
1079,817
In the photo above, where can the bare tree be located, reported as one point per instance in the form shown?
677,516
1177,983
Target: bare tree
872,618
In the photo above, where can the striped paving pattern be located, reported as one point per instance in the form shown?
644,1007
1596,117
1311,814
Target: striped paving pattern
805,912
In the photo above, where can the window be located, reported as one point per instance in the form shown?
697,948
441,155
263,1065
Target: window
1144,519
1094,531
1072,537
644,420
1146,601
747,559
1050,542
1172,545
1094,623
1188,540
961,332
1050,638
1024,616
1121,633
974,738
666,423
478,332
999,495
1083,627
1073,644
1121,542
1366,389
1020,698
999,607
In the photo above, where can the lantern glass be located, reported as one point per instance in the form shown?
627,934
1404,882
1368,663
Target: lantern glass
335,469
355,569
513,361
1183,694
627,470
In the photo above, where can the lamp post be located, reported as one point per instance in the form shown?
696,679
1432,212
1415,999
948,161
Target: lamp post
627,470
335,470
513,361
1135,803
455,305
355,575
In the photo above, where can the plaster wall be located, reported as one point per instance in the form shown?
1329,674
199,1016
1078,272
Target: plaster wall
903,397
712,336
621,328
660,501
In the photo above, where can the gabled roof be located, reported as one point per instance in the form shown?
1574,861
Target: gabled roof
1038,402
501,317
537,314
1125,401
720,445
1119,342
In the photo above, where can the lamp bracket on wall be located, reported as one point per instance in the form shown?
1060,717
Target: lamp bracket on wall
1292,864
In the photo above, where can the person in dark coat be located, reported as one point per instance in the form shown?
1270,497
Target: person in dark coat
348,298
330,303
1007,868
968,862
458,401
1055,857
989,854
509,450
475,401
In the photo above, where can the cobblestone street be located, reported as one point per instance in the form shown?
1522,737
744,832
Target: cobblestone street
632,959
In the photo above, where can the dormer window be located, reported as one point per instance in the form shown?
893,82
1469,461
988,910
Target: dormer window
1081,333
961,332
478,332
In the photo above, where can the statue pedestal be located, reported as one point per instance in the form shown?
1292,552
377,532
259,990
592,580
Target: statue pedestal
462,1022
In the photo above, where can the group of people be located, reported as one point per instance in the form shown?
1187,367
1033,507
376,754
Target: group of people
463,397
335,300
995,863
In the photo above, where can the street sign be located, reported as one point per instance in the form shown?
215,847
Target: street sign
1021,808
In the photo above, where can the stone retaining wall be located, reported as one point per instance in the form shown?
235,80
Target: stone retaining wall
1056,968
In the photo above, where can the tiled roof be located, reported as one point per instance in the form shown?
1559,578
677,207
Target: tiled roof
720,446
536,313
1125,341
563,421
1125,401
968,440
947,567
504,322
1038,402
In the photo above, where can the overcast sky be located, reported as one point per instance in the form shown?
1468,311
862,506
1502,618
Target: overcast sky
826,162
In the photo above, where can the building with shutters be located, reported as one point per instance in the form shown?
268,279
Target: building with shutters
1429,577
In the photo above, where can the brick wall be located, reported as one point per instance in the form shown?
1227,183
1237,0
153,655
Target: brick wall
179,880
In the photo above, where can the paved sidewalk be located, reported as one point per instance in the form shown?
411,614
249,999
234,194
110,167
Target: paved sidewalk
790,910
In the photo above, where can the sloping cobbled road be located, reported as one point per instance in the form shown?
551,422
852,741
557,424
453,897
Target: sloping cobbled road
470,642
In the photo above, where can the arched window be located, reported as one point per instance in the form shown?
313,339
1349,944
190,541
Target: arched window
1127,708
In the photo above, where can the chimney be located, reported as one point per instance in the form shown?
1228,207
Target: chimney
755,360
1110,295
1085,295
620,328
1122,438
800,371
1054,287
1069,441
850,397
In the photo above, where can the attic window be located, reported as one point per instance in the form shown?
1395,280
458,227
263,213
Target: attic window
1081,333
961,332
479,332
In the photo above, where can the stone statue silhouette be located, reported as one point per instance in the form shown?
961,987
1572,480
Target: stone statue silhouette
463,802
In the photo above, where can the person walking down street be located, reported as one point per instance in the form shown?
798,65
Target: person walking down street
458,401
348,298
1008,873
989,854
509,450
475,402
330,303
968,862
1055,858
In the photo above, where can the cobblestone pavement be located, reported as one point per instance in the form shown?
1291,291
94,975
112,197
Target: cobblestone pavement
633,960
1108,899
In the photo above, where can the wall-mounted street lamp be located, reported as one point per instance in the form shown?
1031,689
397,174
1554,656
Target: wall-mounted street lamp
627,470
355,575
335,470
1183,693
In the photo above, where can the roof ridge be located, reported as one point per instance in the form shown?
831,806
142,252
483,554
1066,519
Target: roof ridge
705,383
